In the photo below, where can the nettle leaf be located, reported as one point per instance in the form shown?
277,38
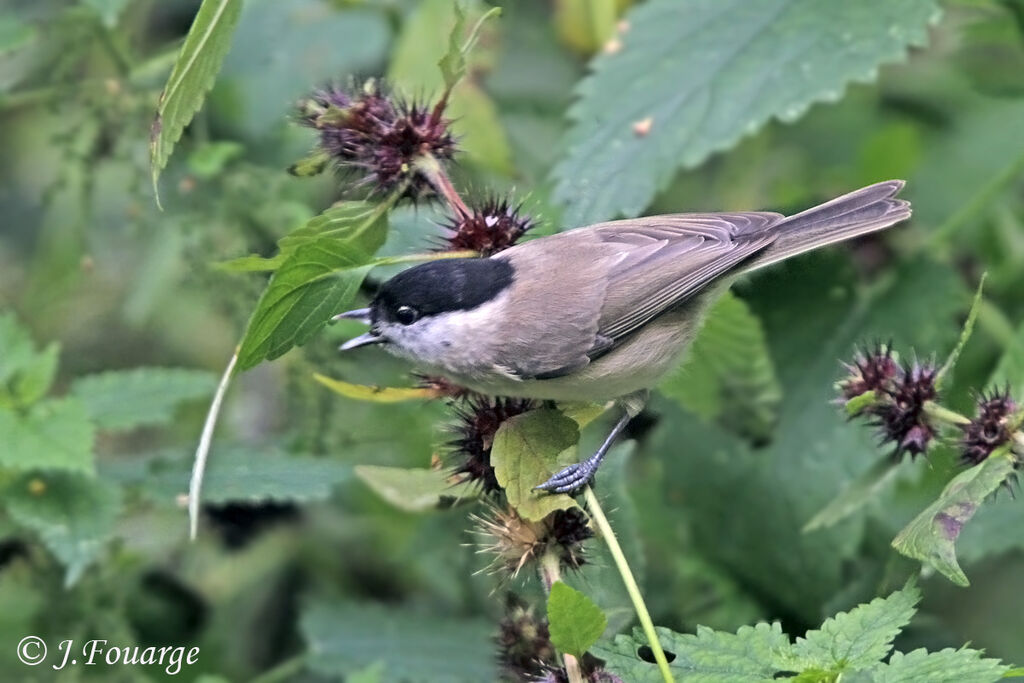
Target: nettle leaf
859,638
574,621
728,374
193,74
125,399
55,434
239,473
26,375
73,514
945,666
415,489
527,450
693,78
932,535
754,653
346,637
324,264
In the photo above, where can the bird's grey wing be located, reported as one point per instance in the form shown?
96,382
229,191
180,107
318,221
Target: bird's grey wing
557,326
668,259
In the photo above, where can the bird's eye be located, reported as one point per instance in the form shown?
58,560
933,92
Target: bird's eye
406,315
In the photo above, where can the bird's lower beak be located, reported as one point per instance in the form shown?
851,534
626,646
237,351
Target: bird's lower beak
360,314
362,340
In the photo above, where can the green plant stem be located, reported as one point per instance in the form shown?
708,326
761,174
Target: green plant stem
945,414
550,572
627,578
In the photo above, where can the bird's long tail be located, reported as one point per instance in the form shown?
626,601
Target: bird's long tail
865,210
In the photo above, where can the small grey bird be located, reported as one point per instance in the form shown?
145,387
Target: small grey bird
600,312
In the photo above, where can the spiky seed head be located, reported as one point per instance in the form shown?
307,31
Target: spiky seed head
377,137
514,542
902,419
493,226
990,427
874,370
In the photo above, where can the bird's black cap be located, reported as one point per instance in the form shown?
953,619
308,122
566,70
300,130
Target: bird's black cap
442,286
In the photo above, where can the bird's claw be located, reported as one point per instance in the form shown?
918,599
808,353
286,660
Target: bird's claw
570,479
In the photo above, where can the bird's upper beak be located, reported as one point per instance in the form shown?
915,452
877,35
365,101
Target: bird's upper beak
361,340
363,316
360,314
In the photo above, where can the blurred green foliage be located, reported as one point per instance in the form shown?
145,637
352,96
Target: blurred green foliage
117,317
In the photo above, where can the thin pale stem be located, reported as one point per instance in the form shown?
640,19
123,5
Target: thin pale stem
627,578
195,485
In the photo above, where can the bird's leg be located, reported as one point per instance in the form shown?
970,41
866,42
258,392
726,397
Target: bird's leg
577,476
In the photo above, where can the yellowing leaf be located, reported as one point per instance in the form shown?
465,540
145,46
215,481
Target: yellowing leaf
362,392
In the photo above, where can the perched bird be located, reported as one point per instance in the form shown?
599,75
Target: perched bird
600,312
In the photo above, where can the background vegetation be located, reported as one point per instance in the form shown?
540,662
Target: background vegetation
117,319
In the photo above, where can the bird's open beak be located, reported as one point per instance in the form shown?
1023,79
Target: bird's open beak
360,314
363,316
361,340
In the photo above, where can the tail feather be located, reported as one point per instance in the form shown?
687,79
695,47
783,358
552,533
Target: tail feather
860,212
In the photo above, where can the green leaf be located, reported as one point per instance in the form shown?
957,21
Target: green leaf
931,536
345,637
574,621
527,450
965,334
728,374
431,36
26,375
693,78
53,435
125,399
754,653
859,493
324,264
945,666
194,71
859,638
239,473
415,489
73,514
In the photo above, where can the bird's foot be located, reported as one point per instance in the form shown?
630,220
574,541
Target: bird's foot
572,478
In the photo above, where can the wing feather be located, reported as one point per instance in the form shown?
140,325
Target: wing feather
625,273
